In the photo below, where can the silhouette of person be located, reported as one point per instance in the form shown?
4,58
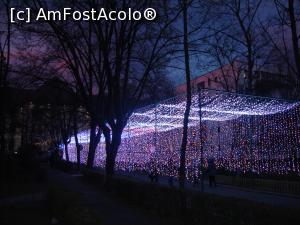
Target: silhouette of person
212,173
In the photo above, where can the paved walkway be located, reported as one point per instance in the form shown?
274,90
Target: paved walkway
29,198
112,210
117,212
275,199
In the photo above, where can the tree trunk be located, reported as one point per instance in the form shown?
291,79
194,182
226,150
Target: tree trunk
250,68
12,133
2,121
92,152
94,140
66,151
112,146
111,152
110,160
4,69
295,40
78,146
182,169
2,136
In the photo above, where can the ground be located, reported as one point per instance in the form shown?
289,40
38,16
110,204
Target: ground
65,197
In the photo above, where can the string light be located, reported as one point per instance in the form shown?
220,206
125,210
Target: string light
242,133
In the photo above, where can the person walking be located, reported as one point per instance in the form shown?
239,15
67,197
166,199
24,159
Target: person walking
212,173
170,171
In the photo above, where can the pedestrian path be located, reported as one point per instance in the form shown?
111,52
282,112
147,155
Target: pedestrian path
36,197
112,210
275,199
116,211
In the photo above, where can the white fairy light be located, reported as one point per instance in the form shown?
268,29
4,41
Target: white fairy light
243,133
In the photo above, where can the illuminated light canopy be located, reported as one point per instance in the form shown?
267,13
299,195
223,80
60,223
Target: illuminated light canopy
215,106
242,133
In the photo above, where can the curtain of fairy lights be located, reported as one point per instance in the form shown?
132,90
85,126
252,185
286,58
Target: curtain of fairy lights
241,133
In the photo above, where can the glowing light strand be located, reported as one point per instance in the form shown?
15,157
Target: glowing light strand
242,133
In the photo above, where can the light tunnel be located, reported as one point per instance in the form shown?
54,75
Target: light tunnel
243,134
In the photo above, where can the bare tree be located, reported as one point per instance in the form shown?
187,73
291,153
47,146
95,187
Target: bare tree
295,35
182,172
286,24
221,50
136,59
111,63
5,44
239,23
5,52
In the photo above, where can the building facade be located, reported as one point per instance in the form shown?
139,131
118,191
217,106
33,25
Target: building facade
227,77
233,78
